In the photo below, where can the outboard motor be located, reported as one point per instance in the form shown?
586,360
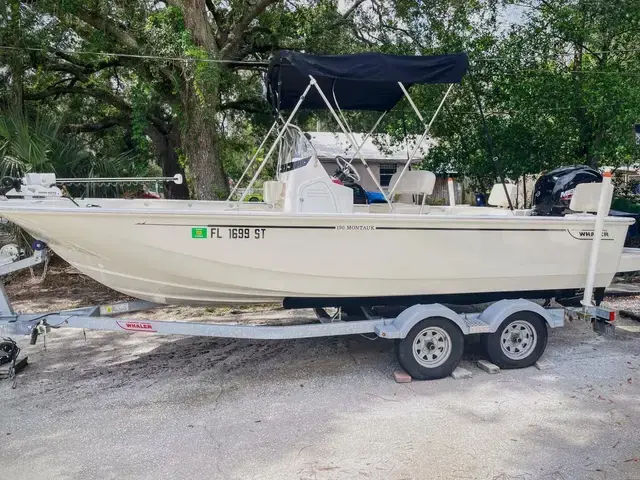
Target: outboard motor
553,191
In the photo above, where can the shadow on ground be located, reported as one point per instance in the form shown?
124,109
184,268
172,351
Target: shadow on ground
139,406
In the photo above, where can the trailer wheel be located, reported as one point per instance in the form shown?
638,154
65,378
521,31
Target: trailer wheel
432,349
519,341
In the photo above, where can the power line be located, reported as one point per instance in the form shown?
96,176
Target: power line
518,72
132,55
542,5
262,63
585,52
524,72
536,110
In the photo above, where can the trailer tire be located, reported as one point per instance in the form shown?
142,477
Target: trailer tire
519,341
445,344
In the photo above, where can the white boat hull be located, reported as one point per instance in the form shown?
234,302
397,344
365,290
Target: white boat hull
191,256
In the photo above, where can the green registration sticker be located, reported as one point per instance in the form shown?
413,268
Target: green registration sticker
199,232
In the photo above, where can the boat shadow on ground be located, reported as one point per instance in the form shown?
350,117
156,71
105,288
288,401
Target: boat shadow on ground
323,397
115,360
71,365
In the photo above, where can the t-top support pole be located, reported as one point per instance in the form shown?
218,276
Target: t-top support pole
351,139
255,156
277,140
424,134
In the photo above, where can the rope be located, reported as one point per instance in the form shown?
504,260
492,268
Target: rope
132,55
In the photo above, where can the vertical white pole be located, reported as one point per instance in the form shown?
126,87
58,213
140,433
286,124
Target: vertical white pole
452,193
424,200
603,209
277,140
252,160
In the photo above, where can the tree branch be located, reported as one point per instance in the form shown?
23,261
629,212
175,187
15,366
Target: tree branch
218,21
343,19
394,28
92,127
115,32
103,95
246,105
66,68
359,36
236,35
87,66
100,23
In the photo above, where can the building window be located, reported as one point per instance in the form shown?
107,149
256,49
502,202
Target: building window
386,172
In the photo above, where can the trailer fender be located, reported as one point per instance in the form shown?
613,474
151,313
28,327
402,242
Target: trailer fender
495,314
399,326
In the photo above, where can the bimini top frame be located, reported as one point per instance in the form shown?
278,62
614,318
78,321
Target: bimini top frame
366,81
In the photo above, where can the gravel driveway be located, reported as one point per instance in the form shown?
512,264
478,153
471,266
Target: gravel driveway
153,407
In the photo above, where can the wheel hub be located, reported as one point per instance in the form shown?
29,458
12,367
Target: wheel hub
518,340
432,347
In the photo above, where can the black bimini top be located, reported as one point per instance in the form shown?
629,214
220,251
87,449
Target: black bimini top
364,81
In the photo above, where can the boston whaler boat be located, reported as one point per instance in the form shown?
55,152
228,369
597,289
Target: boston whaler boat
309,245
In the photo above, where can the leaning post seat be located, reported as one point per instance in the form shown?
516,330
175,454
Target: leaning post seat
586,198
498,198
413,182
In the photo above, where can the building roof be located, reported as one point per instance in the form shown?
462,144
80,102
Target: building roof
378,148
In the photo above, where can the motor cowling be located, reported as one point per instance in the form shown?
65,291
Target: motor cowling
553,191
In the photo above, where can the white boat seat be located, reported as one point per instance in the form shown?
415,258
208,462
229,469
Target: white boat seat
414,182
498,198
586,198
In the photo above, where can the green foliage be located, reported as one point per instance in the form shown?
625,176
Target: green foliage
31,145
37,144
558,86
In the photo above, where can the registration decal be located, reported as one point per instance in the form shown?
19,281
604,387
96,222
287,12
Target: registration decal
225,232
199,232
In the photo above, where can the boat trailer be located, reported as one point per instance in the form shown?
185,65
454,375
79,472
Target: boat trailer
429,337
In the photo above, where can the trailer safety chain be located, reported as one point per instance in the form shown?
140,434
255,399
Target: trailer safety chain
9,352
45,269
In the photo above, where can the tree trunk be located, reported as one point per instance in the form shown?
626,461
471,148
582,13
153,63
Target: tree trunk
166,147
206,170
15,64
199,130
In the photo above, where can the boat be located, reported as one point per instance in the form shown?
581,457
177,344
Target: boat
307,243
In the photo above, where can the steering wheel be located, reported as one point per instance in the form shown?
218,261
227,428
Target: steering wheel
347,169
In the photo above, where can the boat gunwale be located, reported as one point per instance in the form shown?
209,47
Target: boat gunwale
357,216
